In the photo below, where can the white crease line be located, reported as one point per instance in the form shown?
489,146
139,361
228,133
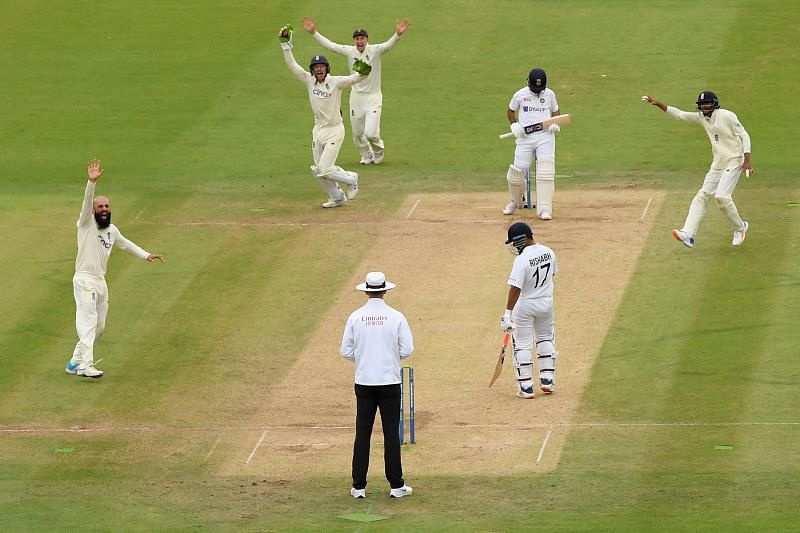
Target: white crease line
263,434
139,214
646,208
213,447
412,209
544,445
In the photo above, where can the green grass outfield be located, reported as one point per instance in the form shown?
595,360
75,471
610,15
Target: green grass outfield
197,120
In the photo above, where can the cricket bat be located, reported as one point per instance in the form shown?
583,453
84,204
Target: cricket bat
499,366
561,120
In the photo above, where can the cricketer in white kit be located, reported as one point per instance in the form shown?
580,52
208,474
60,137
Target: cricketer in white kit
528,108
96,238
366,97
529,309
730,147
325,95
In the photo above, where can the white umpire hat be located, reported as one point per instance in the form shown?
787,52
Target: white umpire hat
375,282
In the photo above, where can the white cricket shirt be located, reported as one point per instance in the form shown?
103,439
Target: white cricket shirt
532,109
371,55
325,97
533,272
729,140
94,244
376,337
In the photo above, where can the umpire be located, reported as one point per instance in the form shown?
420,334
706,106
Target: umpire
376,337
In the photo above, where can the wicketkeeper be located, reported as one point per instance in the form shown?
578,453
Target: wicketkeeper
325,95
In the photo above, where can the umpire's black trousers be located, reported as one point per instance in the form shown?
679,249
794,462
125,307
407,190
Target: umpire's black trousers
370,398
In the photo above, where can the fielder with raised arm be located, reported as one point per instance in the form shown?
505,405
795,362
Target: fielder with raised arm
96,237
529,309
730,146
325,95
529,107
366,98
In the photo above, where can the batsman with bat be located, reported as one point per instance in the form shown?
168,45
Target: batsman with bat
529,310
325,94
529,107
730,146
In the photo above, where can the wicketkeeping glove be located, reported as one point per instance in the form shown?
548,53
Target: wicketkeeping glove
285,36
361,67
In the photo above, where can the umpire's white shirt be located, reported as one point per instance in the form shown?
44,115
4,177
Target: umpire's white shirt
94,244
325,97
533,272
532,109
376,337
371,55
729,140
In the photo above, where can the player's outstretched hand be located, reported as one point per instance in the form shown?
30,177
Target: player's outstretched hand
648,99
361,67
94,170
285,36
401,26
309,25
155,257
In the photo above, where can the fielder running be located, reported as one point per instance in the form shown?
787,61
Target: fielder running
730,146
96,237
366,98
528,108
529,309
325,94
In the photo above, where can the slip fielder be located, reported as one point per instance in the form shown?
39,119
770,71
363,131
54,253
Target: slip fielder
366,97
730,146
530,106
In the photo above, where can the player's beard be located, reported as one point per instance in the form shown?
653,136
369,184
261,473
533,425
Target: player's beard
103,221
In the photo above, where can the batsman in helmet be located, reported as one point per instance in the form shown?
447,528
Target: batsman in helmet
529,107
529,310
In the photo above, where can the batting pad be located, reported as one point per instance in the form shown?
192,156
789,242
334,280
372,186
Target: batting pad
516,185
545,185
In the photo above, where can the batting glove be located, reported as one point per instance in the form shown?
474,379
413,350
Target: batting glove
361,67
505,322
554,128
517,130
285,37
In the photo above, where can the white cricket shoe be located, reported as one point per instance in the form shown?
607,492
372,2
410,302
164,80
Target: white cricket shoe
367,159
90,372
510,208
335,203
684,237
546,215
352,190
358,493
526,393
405,490
378,158
740,236
547,385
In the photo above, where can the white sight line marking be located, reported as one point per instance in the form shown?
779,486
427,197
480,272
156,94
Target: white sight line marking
544,445
646,208
412,209
260,440
213,447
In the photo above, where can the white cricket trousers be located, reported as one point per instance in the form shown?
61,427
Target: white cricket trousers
542,145
718,184
365,121
91,308
325,145
533,324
